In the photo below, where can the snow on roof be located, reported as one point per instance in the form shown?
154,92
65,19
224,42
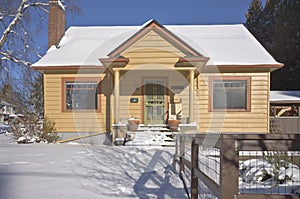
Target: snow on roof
85,45
6,103
224,44
61,5
284,96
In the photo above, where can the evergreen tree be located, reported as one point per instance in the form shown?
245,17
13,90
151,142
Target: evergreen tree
254,18
36,98
279,33
7,93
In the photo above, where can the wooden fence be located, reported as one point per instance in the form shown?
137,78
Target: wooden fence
229,146
287,125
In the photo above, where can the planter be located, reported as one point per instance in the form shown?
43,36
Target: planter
188,128
173,124
133,125
119,133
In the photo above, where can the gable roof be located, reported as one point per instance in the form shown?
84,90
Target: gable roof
224,44
153,25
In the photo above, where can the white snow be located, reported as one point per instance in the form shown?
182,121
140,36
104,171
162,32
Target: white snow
152,136
83,171
61,5
224,44
284,96
259,176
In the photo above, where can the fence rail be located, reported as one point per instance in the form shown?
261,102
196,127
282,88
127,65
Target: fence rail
222,153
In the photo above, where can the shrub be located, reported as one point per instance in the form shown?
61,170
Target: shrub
280,162
33,129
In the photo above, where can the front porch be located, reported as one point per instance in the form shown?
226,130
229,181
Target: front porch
153,97
154,76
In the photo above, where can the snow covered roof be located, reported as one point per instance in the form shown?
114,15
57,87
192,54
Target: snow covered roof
6,104
224,44
285,96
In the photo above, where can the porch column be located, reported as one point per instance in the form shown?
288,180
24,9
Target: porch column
191,97
116,96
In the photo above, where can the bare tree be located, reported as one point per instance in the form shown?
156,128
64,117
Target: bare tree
21,22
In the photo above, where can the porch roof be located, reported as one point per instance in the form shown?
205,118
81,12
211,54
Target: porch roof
224,44
284,97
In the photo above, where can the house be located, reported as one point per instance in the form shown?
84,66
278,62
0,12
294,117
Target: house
215,78
284,111
6,110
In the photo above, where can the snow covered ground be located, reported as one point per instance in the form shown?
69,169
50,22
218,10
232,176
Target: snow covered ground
261,176
85,171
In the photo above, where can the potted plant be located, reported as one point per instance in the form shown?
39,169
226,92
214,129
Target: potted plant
173,124
133,124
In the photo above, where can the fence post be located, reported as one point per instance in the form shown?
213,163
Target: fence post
181,153
194,162
176,155
229,169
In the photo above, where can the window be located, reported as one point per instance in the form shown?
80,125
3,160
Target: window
80,94
230,93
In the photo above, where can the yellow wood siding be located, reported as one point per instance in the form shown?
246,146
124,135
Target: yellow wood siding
217,121
152,49
85,121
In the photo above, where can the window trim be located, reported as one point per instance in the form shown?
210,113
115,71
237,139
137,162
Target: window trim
64,80
237,78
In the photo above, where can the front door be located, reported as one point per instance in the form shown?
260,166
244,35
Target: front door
155,104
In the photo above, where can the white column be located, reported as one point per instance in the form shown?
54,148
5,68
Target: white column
116,96
191,97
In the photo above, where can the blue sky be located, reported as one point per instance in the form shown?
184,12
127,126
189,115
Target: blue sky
136,12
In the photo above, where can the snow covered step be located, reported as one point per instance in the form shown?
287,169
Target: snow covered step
151,138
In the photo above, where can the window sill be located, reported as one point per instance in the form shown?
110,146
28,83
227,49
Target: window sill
82,111
230,110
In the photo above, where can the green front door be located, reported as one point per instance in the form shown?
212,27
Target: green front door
154,95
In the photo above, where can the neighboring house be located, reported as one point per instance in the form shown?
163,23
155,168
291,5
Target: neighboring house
284,111
214,77
6,110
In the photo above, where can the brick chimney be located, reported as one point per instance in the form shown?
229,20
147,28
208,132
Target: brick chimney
57,22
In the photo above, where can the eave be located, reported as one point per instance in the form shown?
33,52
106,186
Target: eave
68,68
115,62
242,68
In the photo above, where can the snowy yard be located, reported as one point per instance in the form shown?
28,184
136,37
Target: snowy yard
84,171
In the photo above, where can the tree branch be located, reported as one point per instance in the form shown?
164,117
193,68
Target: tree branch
13,22
8,56
37,4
